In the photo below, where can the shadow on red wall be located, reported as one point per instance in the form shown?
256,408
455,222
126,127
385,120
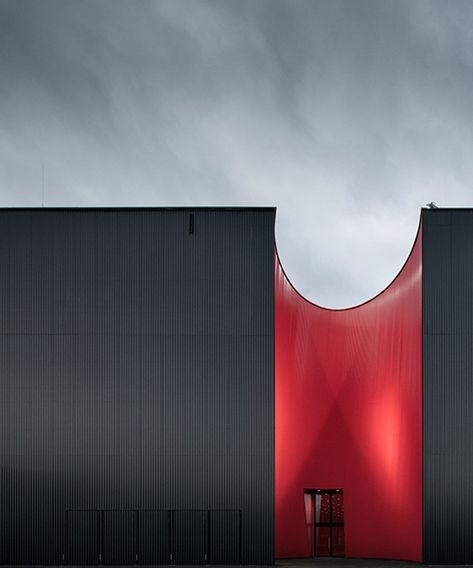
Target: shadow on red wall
349,415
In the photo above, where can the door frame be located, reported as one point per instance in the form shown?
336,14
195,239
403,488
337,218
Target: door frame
313,493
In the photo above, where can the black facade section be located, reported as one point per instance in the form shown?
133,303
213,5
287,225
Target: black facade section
447,386
137,386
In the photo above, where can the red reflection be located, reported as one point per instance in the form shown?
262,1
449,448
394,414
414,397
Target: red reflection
309,519
349,414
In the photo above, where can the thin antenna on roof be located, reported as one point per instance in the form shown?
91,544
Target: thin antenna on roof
42,187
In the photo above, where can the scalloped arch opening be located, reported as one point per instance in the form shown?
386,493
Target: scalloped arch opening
337,275
348,414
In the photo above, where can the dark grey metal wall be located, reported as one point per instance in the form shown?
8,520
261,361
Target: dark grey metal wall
448,386
137,386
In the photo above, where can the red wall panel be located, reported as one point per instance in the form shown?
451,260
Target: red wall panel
349,415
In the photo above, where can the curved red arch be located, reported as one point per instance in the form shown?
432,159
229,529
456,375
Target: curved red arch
278,260
349,414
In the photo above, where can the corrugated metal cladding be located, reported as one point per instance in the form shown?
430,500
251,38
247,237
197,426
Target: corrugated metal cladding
137,386
448,386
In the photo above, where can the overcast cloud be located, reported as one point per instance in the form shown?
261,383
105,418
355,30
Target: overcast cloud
347,115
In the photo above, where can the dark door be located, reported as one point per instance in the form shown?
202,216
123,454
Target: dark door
119,537
154,536
82,537
190,537
224,537
327,517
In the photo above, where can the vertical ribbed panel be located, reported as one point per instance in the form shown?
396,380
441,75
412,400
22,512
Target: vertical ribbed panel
448,386
136,374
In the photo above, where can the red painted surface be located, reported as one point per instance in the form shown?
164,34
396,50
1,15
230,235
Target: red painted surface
349,415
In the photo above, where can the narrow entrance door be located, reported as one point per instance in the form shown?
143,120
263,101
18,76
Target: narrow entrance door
328,521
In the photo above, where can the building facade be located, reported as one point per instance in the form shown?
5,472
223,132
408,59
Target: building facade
137,386
168,397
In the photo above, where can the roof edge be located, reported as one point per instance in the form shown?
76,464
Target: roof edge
135,208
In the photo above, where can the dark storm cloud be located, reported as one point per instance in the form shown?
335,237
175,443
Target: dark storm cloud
348,115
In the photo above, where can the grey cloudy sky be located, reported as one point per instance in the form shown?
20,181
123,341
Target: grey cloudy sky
348,115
